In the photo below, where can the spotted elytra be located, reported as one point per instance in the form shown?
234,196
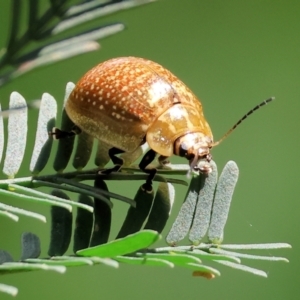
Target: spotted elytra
129,101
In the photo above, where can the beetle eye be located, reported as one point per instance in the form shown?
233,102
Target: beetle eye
182,151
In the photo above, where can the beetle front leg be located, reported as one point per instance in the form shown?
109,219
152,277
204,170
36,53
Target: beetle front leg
146,160
118,161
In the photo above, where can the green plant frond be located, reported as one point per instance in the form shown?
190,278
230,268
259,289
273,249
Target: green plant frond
40,30
127,250
84,14
205,209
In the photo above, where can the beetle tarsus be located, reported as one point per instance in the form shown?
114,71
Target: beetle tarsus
118,161
147,187
58,134
115,168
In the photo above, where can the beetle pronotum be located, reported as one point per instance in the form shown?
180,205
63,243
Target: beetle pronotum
128,101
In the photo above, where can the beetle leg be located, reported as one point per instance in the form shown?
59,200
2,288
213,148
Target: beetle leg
146,160
118,161
58,134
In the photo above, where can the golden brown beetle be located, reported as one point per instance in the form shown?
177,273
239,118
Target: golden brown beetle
128,101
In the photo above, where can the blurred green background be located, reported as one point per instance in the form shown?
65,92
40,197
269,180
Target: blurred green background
232,54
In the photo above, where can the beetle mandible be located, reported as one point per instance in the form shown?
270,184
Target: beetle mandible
128,101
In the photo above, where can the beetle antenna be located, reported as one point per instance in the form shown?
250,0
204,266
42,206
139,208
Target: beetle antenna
242,119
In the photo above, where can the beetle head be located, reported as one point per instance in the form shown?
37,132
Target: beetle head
195,147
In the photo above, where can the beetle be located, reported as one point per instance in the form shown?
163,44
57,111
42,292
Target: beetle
128,101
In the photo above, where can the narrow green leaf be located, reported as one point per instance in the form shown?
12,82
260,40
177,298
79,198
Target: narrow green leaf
23,212
83,225
63,261
179,249
177,259
203,209
8,289
105,261
65,146
53,57
161,207
80,188
17,133
91,35
77,187
136,216
242,268
144,261
86,6
183,221
255,246
43,142
9,215
61,227
222,201
102,217
247,256
68,90
18,267
31,246
209,256
5,257
46,198
179,167
102,157
14,188
15,25
1,134
83,151
96,13
33,17
129,244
